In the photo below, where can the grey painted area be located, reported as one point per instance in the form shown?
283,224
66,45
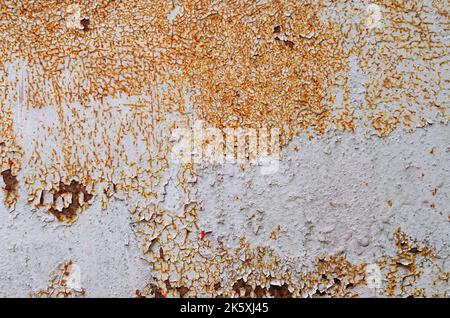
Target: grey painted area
100,243
329,197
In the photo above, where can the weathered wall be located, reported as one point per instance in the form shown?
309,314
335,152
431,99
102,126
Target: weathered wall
96,201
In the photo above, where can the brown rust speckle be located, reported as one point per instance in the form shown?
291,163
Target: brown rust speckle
10,181
57,286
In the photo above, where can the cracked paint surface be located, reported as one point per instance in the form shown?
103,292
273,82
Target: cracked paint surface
92,91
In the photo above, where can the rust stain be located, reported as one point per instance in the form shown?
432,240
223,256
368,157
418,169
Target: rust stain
263,275
205,265
274,64
270,67
403,270
245,290
85,24
72,199
11,184
243,64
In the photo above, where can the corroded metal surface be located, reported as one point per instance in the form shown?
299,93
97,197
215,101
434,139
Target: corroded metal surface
93,92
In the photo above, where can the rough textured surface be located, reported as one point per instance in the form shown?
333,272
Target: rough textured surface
101,244
314,205
350,200
96,202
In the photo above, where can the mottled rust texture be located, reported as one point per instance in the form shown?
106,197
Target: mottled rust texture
101,85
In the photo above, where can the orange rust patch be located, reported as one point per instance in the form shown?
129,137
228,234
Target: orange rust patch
267,65
252,64
255,271
85,24
57,286
407,266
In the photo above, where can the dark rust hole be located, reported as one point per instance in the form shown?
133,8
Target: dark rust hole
10,181
69,213
290,44
85,24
